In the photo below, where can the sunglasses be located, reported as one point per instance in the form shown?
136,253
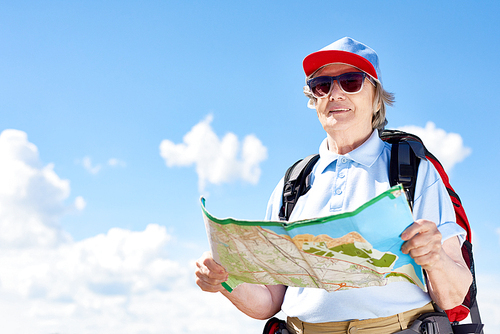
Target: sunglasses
350,83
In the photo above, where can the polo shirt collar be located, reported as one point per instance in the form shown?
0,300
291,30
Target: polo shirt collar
365,155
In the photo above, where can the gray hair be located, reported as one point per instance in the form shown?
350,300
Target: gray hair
381,100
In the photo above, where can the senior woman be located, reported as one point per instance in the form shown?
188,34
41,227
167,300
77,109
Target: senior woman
344,86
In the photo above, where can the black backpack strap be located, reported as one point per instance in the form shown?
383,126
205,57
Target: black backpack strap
403,168
476,318
296,184
468,329
407,150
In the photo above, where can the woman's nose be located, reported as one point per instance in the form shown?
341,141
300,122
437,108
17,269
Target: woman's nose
336,92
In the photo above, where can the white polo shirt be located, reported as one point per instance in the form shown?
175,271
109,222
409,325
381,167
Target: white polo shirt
341,183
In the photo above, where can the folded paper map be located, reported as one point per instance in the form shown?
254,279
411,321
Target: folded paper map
350,250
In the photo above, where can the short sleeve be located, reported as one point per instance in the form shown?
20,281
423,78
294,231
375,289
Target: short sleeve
433,203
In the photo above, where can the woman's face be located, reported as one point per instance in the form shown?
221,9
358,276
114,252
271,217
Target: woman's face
345,114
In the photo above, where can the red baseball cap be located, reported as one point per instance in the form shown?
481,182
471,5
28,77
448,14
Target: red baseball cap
345,51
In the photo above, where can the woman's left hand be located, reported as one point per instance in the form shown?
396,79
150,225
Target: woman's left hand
448,276
423,242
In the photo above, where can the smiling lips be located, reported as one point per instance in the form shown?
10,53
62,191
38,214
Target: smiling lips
339,110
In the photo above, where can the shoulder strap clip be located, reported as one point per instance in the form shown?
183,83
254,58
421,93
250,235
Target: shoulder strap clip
297,182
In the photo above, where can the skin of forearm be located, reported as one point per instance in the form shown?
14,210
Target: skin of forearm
448,282
448,277
256,301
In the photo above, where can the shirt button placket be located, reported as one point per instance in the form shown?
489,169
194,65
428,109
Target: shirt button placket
341,173
339,186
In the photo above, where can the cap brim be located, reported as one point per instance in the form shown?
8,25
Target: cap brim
321,58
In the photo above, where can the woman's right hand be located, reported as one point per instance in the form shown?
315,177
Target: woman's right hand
209,274
255,300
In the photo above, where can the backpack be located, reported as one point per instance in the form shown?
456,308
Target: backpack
406,152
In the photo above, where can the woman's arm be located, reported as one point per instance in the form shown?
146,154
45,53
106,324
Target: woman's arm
257,301
449,278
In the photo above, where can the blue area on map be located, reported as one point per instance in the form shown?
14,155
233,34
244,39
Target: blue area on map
380,223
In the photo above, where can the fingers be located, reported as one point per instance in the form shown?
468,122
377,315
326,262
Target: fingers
209,274
423,243
419,226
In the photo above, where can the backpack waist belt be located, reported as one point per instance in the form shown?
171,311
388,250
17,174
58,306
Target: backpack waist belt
391,324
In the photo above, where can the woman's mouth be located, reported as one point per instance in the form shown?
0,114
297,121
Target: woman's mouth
339,110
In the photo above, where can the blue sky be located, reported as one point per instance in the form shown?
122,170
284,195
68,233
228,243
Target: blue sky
93,88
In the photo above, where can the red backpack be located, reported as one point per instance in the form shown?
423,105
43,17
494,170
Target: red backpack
403,144
406,153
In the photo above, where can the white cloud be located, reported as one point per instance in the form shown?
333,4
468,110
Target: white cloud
94,169
113,162
87,164
31,195
447,147
217,160
80,203
119,263
119,282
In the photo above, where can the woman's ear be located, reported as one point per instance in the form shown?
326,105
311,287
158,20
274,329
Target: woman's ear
311,104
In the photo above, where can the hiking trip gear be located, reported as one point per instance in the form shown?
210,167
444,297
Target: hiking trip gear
345,51
275,326
350,83
390,324
430,323
406,152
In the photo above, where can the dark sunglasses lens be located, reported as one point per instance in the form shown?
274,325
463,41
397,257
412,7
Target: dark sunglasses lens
320,86
351,82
